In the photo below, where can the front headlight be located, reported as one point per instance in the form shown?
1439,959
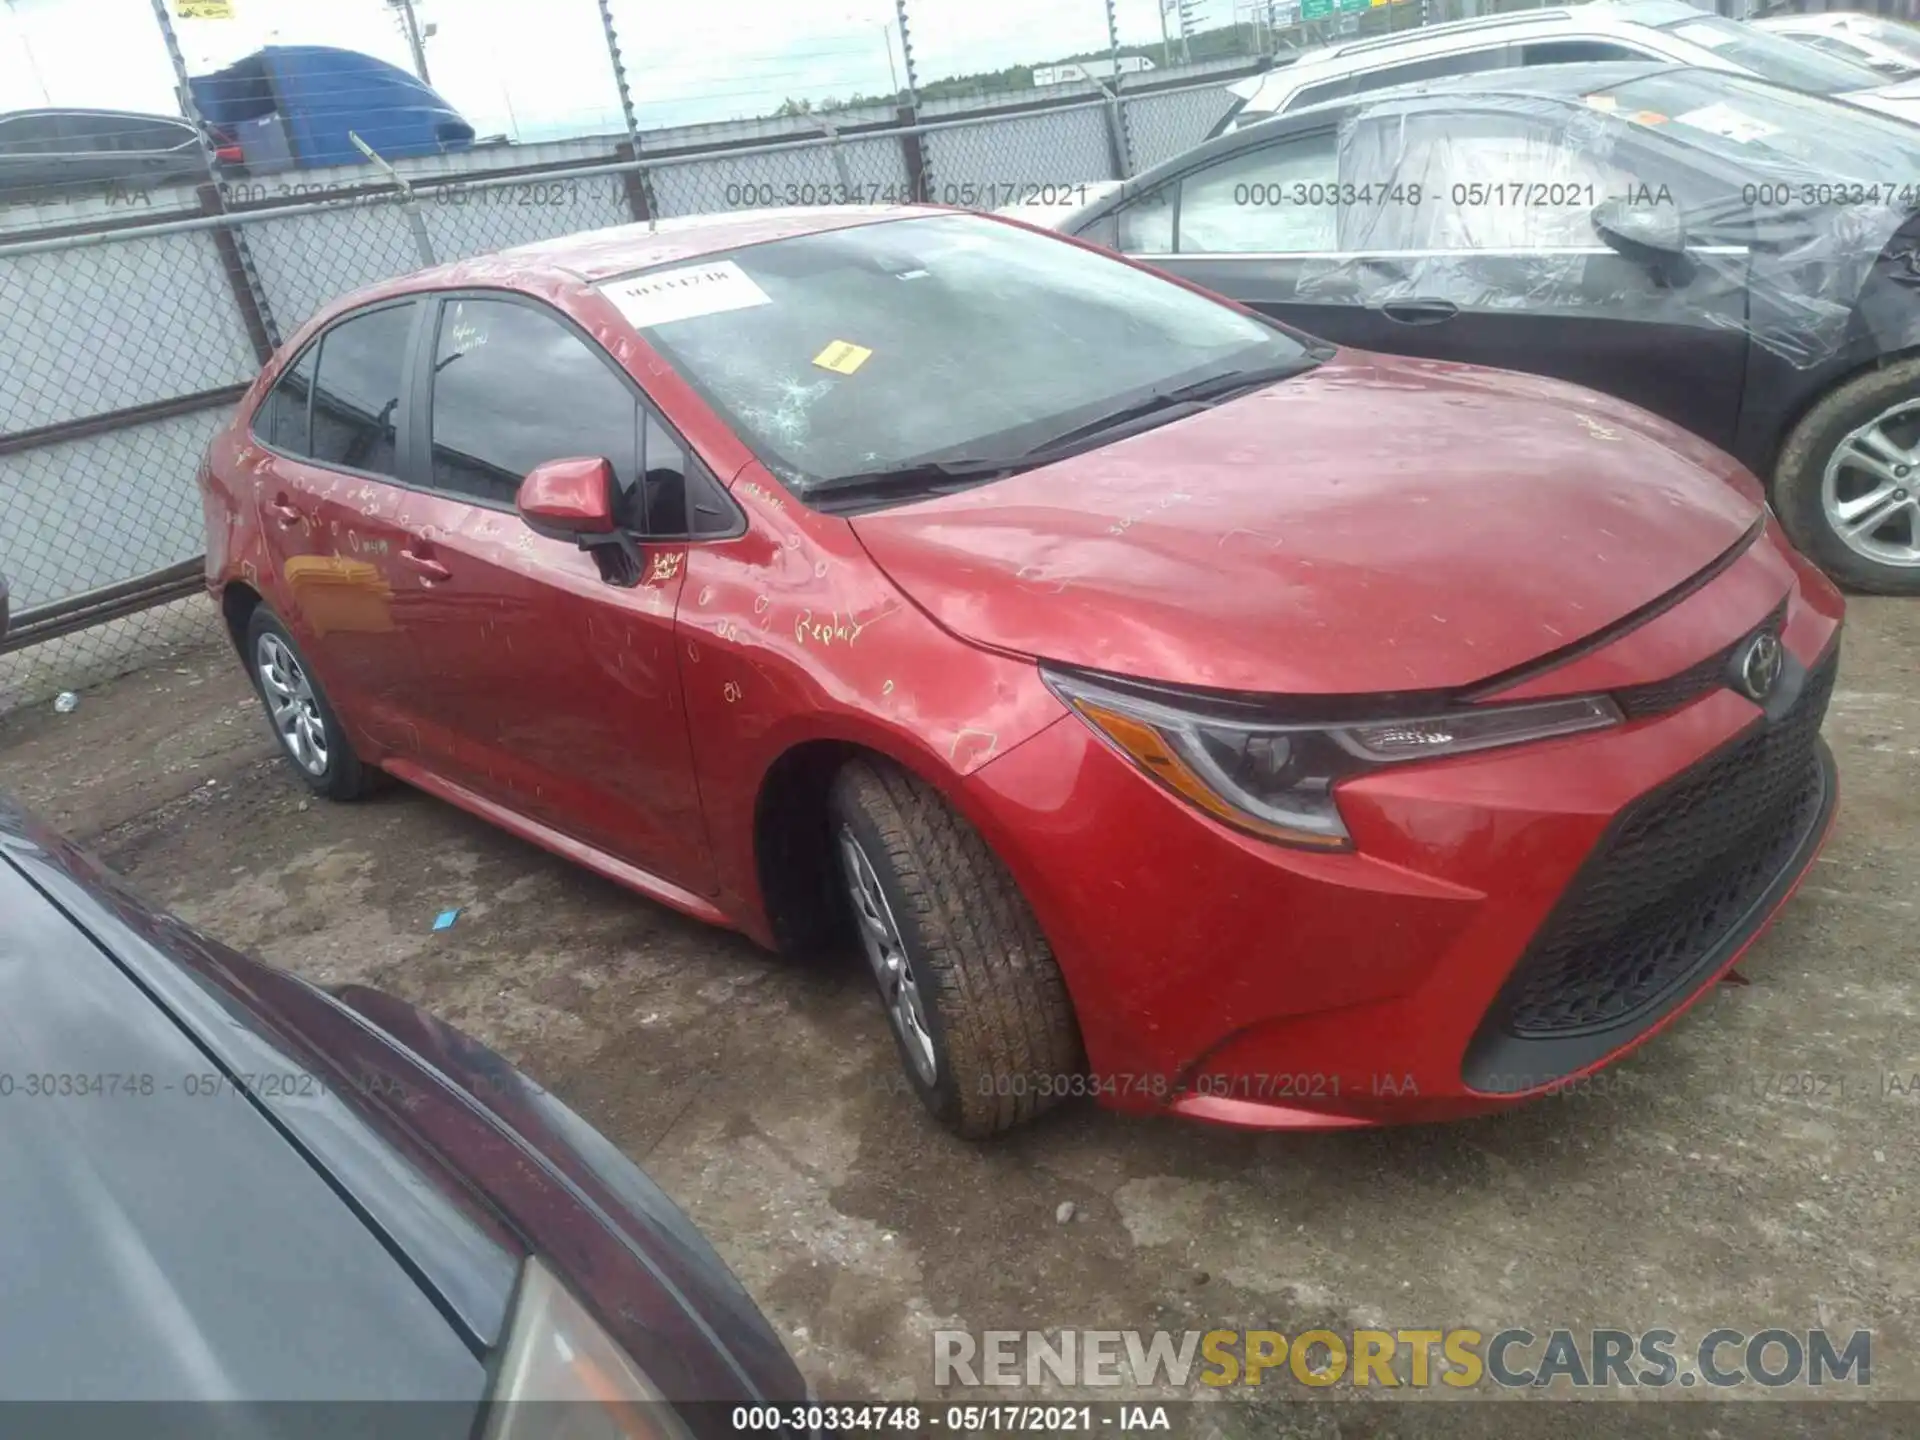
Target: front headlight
1276,780
564,1378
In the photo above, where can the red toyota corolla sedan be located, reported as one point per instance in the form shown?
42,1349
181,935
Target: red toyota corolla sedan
1180,711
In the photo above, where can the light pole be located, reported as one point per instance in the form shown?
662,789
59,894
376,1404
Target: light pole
410,24
26,47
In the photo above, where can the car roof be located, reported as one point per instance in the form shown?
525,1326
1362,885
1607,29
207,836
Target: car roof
552,268
1601,15
1553,82
596,255
1567,81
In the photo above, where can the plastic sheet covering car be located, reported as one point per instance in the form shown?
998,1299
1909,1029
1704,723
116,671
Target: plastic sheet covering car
1499,201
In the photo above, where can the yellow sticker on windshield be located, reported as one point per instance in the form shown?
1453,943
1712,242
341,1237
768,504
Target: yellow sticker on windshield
843,357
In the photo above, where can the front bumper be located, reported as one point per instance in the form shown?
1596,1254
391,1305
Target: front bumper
1508,921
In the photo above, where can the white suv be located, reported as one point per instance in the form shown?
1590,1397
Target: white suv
1668,30
1890,46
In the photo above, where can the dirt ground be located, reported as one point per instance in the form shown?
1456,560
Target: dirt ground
1708,1187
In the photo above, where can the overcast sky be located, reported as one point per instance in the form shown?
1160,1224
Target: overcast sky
536,66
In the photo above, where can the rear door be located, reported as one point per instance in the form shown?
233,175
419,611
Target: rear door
558,691
330,505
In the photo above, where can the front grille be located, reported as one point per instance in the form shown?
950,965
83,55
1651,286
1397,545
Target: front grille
1658,697
1679,870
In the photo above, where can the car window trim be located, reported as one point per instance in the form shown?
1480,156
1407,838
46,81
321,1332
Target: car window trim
420,404
313,347
1509,252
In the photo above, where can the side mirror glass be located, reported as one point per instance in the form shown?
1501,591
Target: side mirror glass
1649,235
568,499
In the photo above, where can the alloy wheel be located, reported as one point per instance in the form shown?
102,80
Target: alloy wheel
291,703
887,955
1871,487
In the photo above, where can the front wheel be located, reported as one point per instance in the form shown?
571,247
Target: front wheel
1848,483
978,1009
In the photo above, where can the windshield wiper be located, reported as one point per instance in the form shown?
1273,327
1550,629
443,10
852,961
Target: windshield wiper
1195,395
922,479
914,481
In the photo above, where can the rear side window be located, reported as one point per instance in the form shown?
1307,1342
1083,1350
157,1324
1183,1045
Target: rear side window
356,397
1466,62
1576,52
282,417
513,388
1437,67
32,135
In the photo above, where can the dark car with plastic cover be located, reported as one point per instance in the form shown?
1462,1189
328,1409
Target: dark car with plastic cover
237,1204
1739,258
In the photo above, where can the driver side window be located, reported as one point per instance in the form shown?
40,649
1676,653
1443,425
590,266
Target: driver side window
1273,198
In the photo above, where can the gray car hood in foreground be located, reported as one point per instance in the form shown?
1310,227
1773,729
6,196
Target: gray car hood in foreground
164,1240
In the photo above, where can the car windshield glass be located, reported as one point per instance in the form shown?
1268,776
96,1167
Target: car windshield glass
945,338
1775,57
1750,122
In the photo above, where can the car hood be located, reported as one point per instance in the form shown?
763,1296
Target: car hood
1374,525
175,1245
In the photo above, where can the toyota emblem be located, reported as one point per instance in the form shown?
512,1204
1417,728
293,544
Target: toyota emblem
1760,667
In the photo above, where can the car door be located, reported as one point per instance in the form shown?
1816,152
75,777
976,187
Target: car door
1464,235
558,691
1499,262
326,487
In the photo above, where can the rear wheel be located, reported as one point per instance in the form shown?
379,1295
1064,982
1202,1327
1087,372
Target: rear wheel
1848,483
302,719
978,1009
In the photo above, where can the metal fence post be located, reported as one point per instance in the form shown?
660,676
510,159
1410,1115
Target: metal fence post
838,156
248,293
639,184
912,144
1118,138
416,222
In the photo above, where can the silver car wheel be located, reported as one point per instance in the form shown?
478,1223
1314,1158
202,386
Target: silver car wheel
291,703
887,954
1871,487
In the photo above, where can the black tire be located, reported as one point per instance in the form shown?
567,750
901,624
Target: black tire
1005,1043
342,776
1799,477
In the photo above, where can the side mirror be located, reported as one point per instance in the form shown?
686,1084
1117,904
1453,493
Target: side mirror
565,499
573,500
1649,235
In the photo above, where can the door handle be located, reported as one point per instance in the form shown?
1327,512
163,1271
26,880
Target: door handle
288,513
420,557
1419,312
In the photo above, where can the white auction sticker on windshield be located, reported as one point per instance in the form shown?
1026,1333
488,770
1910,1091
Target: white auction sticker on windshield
1723,119
683,294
